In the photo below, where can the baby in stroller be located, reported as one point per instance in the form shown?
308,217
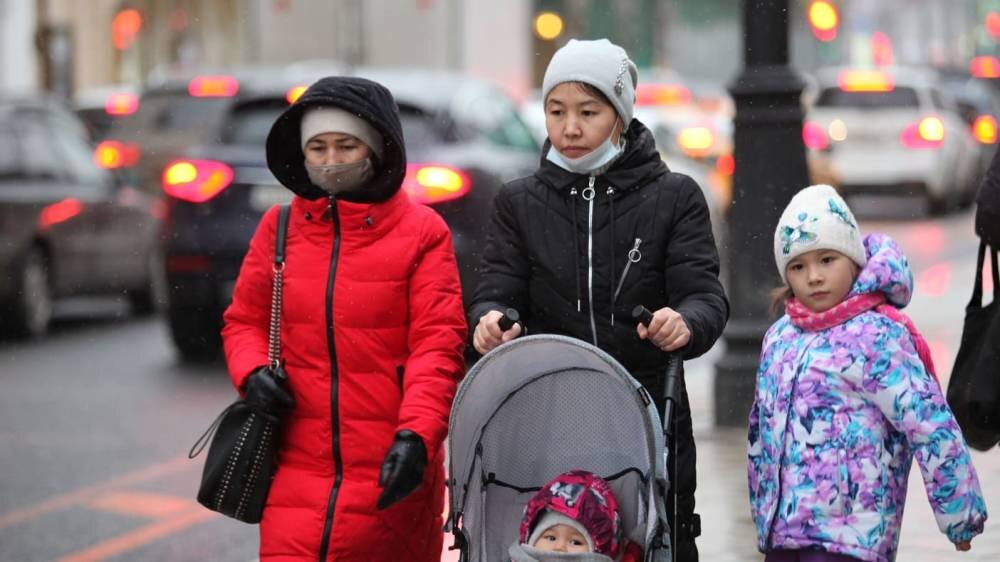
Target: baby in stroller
575,518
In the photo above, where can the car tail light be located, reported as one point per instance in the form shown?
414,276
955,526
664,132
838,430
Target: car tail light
188,264
428,184
661,94
985,67
121,103
725,165
984,129
112,154
295,93
196,181
927,133
865,81
60,212
213,86
814,136
696,141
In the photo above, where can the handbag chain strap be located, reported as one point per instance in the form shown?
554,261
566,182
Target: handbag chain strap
278,268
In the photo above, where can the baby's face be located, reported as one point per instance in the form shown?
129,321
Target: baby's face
562,538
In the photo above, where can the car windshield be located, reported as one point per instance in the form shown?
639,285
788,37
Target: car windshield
895,98
179,112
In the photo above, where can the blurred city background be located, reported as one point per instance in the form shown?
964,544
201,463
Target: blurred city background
132,175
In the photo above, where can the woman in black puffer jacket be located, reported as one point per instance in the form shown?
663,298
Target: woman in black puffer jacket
603,226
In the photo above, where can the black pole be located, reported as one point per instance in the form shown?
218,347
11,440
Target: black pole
770,168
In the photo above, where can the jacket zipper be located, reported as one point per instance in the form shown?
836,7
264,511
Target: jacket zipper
634,255
334,375
590,252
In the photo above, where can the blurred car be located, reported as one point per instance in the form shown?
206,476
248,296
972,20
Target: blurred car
978,102
463,139
67,228
100,107
892,132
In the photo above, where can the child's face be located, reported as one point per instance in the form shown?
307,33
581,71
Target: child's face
577,122
821,279
562,538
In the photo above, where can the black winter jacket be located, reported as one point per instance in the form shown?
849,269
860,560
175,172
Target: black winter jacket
988,205
558,251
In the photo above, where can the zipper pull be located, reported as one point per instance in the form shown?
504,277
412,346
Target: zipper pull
634,255
589,192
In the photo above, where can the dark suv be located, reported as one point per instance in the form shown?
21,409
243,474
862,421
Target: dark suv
67,227
463,137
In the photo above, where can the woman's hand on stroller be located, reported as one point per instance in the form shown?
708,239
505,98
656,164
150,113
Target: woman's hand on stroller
402,469
489,334
668,330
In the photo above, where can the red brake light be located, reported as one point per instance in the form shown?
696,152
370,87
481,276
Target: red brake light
111,154
725,165
985,129
428,184
121,103
295,93
865,81
927,133
213,86
60,212
661,94
196,181
814,136
985,67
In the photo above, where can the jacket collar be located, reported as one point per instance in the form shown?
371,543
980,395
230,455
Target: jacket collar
637,166
373,218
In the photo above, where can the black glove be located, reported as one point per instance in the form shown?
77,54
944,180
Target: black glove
263,392
402,469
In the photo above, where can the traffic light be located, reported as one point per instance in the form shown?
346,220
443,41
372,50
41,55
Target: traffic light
548,25
824,19
125,27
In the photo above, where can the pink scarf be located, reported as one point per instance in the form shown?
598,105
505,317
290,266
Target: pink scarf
851,307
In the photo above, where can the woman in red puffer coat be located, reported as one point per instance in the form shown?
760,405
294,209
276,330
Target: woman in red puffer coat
372,333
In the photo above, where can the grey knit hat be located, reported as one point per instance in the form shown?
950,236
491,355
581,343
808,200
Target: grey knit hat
600,63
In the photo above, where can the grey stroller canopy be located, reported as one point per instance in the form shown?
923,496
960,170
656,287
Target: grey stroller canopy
539,406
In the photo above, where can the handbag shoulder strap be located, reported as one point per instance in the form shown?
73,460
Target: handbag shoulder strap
274,333
977,287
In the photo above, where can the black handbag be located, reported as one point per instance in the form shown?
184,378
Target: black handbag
974,387
243,454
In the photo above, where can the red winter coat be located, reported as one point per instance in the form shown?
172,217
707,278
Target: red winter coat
372,333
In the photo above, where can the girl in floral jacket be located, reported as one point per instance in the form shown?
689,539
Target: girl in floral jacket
846,398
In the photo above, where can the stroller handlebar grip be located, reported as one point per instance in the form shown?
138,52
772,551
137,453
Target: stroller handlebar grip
675,363
643,315
510,317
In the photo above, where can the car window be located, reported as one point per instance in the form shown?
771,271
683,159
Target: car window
38,157
493,117
936,99
249,123
899,97
9,166
418,127
77,158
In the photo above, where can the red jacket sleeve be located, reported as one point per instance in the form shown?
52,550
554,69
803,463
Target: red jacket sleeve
246,320
437,333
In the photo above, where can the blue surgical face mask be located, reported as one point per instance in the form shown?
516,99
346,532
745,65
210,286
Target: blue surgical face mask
594,160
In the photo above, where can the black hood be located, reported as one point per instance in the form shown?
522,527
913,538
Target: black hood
366,99
637,166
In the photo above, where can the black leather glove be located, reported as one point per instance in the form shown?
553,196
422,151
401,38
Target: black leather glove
402,469
262,391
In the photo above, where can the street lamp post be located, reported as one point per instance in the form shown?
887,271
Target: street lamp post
770,168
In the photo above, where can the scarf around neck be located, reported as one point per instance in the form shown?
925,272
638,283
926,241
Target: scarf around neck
850,307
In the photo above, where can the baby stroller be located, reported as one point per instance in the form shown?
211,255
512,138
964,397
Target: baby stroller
539,406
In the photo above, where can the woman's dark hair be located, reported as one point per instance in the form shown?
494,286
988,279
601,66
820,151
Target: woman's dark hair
587,89
779,296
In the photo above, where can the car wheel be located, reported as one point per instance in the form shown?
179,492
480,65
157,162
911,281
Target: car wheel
31,307
195,334
152,297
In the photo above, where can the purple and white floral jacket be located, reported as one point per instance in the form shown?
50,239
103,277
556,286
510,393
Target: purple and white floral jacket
838,416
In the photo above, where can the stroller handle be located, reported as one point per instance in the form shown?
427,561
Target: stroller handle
675,362
510,317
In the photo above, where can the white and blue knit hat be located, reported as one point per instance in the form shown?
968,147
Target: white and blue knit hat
817,218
